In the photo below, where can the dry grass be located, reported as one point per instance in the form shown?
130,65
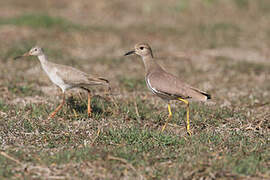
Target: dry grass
219,46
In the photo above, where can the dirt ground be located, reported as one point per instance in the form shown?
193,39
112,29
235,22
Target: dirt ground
219,46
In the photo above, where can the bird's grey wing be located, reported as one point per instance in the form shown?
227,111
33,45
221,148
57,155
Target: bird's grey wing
76,77
173,86
168,84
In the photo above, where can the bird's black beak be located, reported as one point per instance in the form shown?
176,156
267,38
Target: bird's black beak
129,53
25,54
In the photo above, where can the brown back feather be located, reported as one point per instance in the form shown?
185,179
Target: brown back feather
170,84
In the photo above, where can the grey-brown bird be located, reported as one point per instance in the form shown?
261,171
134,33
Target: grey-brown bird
66,77
165,85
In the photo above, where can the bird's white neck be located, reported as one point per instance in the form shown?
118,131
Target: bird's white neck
43,61
42,58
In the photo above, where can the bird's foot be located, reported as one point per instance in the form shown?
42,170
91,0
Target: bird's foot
89,114
51,116
189,132
167,121
163,128
75,113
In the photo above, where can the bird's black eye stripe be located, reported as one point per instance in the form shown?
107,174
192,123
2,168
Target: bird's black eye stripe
141,48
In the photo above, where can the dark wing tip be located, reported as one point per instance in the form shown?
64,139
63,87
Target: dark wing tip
103,79
207,95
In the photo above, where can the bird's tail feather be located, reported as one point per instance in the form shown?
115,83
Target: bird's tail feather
107,82
207,96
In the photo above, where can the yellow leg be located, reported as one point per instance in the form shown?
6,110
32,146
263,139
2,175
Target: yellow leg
188,125
169,117
75,113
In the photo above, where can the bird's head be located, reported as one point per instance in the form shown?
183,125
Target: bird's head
34,51
141,49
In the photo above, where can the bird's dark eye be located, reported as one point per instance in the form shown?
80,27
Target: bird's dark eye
141,48
35,49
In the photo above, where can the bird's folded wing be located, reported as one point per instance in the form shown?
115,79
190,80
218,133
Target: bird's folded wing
173,86
168,84
76,77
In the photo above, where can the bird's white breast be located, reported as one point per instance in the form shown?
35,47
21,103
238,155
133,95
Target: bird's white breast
56,79
153,90
156,92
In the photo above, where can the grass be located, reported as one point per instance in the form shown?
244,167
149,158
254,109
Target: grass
123,138
21,47
23,90
16,50
141,147
220,34
131,84
251,68
220,149
40,21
